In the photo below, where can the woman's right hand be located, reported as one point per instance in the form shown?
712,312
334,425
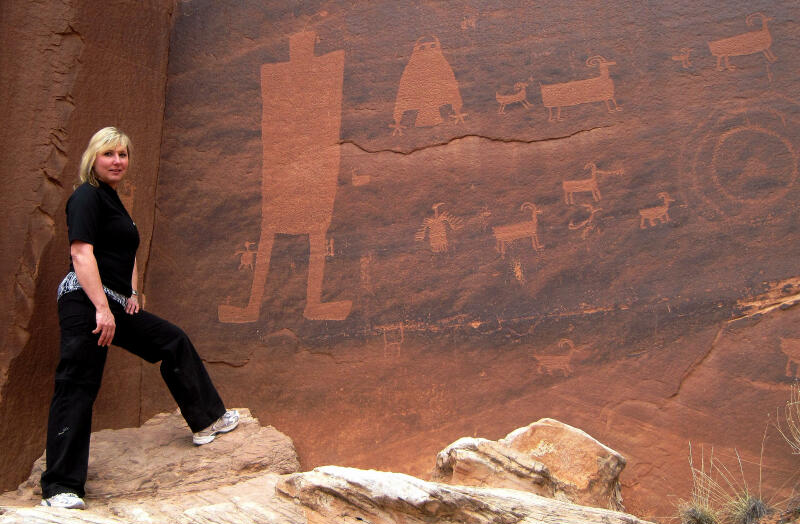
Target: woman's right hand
85,264
105,326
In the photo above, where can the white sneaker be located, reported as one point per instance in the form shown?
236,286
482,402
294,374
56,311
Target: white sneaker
223,424
65,500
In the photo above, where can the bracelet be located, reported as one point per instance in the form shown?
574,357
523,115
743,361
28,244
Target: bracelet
134,293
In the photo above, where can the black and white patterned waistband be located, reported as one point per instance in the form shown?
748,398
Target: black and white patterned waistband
70,283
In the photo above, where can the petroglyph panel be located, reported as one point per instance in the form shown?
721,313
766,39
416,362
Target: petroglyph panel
553,364
576,92
586,185
744,157
751,42
519,96
529,229
651,216
301,104
791,348
437,228
340,218
589,224
684,57
428,84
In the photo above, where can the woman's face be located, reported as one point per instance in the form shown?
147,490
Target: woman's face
111,164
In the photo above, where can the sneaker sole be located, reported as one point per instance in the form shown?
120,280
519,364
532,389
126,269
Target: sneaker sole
199,441
81,505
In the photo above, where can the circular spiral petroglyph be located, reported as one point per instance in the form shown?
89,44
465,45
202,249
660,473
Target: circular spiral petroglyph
743,161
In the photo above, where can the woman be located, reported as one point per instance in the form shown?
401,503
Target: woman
98,305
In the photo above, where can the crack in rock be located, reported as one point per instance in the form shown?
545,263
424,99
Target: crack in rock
481,137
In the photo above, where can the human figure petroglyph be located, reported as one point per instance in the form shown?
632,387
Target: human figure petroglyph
394,341
300,129
597,89
749,43
436,228
484,216
508,233
683,57
550,364
427,84
247,256
518,96
649,216
587,185
365,272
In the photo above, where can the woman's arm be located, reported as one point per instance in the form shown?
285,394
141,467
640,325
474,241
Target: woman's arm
85,265
132,305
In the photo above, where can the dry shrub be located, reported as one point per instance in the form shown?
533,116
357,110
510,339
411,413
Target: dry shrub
718,497
791,417
699,509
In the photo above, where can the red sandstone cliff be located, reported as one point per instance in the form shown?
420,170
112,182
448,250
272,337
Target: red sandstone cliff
518,211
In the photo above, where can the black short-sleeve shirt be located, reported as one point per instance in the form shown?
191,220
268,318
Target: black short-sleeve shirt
96,215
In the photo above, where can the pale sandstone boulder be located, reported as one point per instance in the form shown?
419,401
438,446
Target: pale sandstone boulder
547,458
336,494
159,458
153,474
53,516
330,495
248,502
480,462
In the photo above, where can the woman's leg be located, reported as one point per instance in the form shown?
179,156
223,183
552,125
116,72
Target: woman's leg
77,382
156,340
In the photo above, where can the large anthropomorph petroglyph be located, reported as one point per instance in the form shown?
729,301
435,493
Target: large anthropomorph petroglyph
300,125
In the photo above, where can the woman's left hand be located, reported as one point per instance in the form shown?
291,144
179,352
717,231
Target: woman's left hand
132,305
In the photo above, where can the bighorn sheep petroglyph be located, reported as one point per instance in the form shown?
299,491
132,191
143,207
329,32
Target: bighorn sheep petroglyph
518,96
551,363
791,348
588,185
651,215
510,232
748,43
683,57
597,89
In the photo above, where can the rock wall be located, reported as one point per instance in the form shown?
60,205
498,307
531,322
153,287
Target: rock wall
67,69
389,224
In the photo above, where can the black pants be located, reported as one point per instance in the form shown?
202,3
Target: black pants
80,371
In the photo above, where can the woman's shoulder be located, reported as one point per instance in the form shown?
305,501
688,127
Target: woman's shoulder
84,187
84,194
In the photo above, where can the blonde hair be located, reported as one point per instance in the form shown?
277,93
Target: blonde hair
103,140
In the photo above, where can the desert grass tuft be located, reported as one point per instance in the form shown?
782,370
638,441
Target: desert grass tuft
719,498
744,508
699,509
791,417
739,504
689,514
